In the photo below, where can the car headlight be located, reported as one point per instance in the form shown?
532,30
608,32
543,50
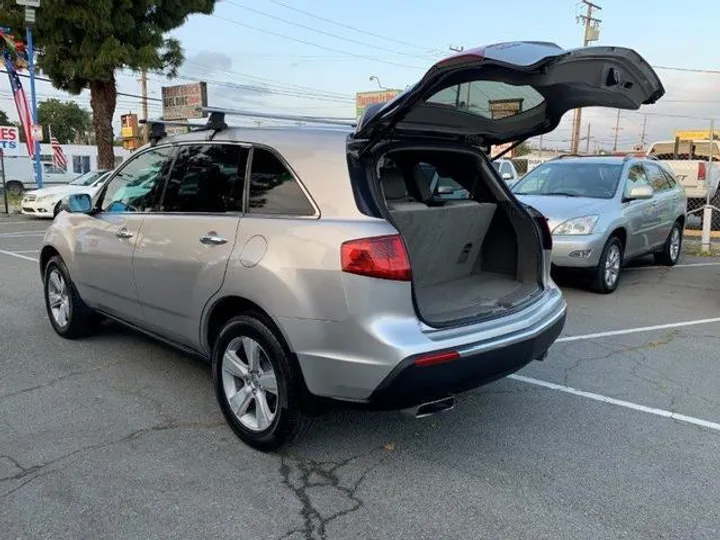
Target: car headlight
576,226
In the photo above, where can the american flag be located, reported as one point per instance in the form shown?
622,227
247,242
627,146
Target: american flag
21,103
58,156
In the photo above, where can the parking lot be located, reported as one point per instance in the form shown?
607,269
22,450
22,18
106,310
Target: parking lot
615,435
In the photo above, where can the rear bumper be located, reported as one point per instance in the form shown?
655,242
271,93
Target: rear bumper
409,385
357,360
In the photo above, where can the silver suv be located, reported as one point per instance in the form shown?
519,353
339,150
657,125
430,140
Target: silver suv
315,265
604,211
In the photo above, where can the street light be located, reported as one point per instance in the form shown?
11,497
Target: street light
377,80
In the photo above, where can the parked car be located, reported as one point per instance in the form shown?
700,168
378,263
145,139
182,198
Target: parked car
313,264
45,202
604,211
507,171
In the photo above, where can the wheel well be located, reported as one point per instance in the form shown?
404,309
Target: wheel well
232,306
47,253
681,221
621,234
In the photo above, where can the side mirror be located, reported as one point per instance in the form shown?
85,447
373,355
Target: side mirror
77,203
640,193
507,176
445,190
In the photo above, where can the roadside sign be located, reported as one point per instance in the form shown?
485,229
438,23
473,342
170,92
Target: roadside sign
10,141
184,101
28,3
365,99
29,15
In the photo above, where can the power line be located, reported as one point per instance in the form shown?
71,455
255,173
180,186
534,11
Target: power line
44,79
348,27
310,43
323,32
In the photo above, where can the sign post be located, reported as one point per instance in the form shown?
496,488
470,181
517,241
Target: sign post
2,171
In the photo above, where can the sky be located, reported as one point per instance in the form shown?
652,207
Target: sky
311,56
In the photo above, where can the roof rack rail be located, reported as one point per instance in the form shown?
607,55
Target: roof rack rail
328,120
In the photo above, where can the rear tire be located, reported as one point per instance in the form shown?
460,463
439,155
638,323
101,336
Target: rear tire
69,316
606,276
14,188
257,385
670,254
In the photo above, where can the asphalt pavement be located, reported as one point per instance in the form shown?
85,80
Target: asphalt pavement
615,435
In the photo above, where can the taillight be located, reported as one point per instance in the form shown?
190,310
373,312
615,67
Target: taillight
383,257
545,233
701,171
433,359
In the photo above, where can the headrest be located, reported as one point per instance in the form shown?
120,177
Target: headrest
393,185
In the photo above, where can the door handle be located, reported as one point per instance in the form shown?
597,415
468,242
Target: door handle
212,239
124,233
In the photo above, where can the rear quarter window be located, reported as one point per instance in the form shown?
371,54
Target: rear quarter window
274,189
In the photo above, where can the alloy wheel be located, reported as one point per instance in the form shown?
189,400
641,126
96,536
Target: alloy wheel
612,266
250,384
58,298
675,244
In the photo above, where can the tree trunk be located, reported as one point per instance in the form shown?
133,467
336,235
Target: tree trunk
103,97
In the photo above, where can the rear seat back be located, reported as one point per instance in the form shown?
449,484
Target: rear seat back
443,242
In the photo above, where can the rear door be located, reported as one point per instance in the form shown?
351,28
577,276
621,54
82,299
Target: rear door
183,249
640,215
511,91
663,201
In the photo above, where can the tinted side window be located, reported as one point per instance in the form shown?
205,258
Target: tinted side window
137,186
657,179
636,177
273,189
206,178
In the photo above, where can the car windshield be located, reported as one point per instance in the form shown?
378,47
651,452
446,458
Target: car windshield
572,179
86,179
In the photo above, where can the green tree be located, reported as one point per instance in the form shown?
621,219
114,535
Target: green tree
4,120
68,121
82,43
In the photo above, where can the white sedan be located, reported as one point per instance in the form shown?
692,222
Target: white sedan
45,202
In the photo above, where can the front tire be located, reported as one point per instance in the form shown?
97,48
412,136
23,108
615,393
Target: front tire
69,316
257,385
670,254
607,274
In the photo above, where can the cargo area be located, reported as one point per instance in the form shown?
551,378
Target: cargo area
473,253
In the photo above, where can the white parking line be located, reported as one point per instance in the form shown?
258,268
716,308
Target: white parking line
14,222
619,402
22,234
17,255
688,265
637,330
36,250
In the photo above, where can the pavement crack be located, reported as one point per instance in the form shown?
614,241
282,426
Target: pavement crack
57,380
300,476
67,458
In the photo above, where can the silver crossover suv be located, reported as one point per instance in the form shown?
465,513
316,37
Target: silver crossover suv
606,210
316,265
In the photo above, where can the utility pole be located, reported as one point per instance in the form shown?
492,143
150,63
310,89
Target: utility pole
592,33
617,130
457,93
144,103
587,142
540,154
642,137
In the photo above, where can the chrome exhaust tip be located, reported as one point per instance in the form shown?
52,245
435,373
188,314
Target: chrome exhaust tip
431,408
